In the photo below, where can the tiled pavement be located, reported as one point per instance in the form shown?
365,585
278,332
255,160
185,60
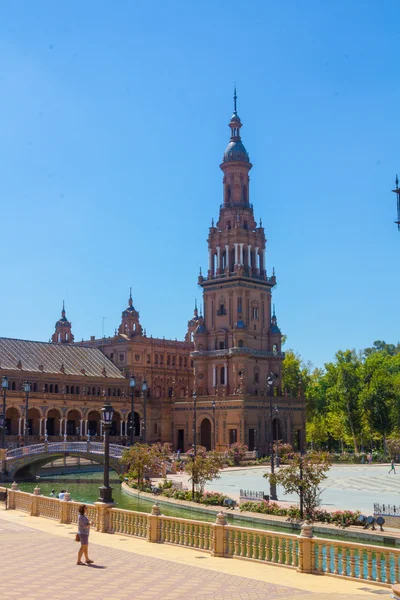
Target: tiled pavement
40,564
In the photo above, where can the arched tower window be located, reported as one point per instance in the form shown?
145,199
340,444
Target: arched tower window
222,376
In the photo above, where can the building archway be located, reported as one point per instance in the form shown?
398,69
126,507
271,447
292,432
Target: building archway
12,416
136,423
94,419
53,422
73,422
34,421
276,429
205,433
116,424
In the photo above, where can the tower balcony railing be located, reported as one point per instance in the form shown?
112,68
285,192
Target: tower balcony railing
233,351
236,205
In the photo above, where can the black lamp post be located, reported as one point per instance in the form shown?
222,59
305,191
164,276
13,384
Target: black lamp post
4,386
27,388
194,436
270,384
144,395
107,413
214,431
132,384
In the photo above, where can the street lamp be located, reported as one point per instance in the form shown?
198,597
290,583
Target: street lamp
26,386
194,395
144,394
107,417
214,432
270,384
132,383
4,385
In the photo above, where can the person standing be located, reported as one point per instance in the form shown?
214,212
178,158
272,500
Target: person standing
392,467
83,530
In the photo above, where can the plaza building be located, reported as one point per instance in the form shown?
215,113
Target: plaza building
230,350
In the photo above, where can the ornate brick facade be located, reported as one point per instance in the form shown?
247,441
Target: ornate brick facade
226,356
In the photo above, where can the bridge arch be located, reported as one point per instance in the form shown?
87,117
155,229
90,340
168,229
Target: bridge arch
53,417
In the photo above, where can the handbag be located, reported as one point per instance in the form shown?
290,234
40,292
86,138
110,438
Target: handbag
77,537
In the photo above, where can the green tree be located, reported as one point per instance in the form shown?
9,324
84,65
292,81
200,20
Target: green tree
302,475
295,374
204,467
141,459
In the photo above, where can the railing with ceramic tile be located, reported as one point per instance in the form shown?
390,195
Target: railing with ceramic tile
128,522
22,501
194,534
347,559
266,546
48,507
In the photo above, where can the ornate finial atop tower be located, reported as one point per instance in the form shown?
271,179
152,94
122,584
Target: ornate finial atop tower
130,297
234,100
212,222
235,150
273,311
195,312
397,182
63,310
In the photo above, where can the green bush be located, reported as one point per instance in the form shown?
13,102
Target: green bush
342,518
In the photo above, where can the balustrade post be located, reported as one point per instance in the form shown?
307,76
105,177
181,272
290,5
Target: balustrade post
305,548
64,510
34,502
11,495
103,516
152,524
219,535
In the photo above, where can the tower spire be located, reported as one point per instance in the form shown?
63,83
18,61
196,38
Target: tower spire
234,100
63,310
130,297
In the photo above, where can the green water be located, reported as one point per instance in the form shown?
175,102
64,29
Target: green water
84,487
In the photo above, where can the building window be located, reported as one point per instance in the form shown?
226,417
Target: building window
66,337
148,359
121,358
156,359
161,359
51,388
240,343
180,361
168,359
66,388
56,388
239,304
173,360
222,376
256,376
222,345
77,389
185,362
112,355
255,313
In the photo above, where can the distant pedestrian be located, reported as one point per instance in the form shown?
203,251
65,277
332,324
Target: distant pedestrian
83,532
53,493
61,495
369,458
181,468
178,454
392,467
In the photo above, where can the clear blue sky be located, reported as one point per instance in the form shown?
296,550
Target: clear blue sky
113,123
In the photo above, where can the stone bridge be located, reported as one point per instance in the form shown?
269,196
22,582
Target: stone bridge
26,462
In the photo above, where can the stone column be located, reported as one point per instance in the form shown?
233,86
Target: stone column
218,258
305,548
61,427
249,255
209,259
226,373
236,253
214,376
40,426
241,254
152,530
81,427
264,259
257,266
85,426
120,427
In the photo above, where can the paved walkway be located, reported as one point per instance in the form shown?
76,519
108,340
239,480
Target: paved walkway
38,559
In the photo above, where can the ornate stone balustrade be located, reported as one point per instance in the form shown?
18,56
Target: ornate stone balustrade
305,553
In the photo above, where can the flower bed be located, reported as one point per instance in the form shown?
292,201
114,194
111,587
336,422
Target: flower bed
342,518
169,490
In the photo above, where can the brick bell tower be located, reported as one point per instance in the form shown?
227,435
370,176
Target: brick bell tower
62,333
239,342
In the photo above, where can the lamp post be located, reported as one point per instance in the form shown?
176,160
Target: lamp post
4,386
107,416
194,395
132,383
270,384
144,394
214,432
26,386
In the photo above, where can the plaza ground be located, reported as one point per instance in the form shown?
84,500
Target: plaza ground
38,558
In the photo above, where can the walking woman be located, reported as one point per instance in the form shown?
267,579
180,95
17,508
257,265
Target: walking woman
83,530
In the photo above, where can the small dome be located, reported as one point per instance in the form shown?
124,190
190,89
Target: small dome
62,321
274,328
235,118
240,324
236,151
